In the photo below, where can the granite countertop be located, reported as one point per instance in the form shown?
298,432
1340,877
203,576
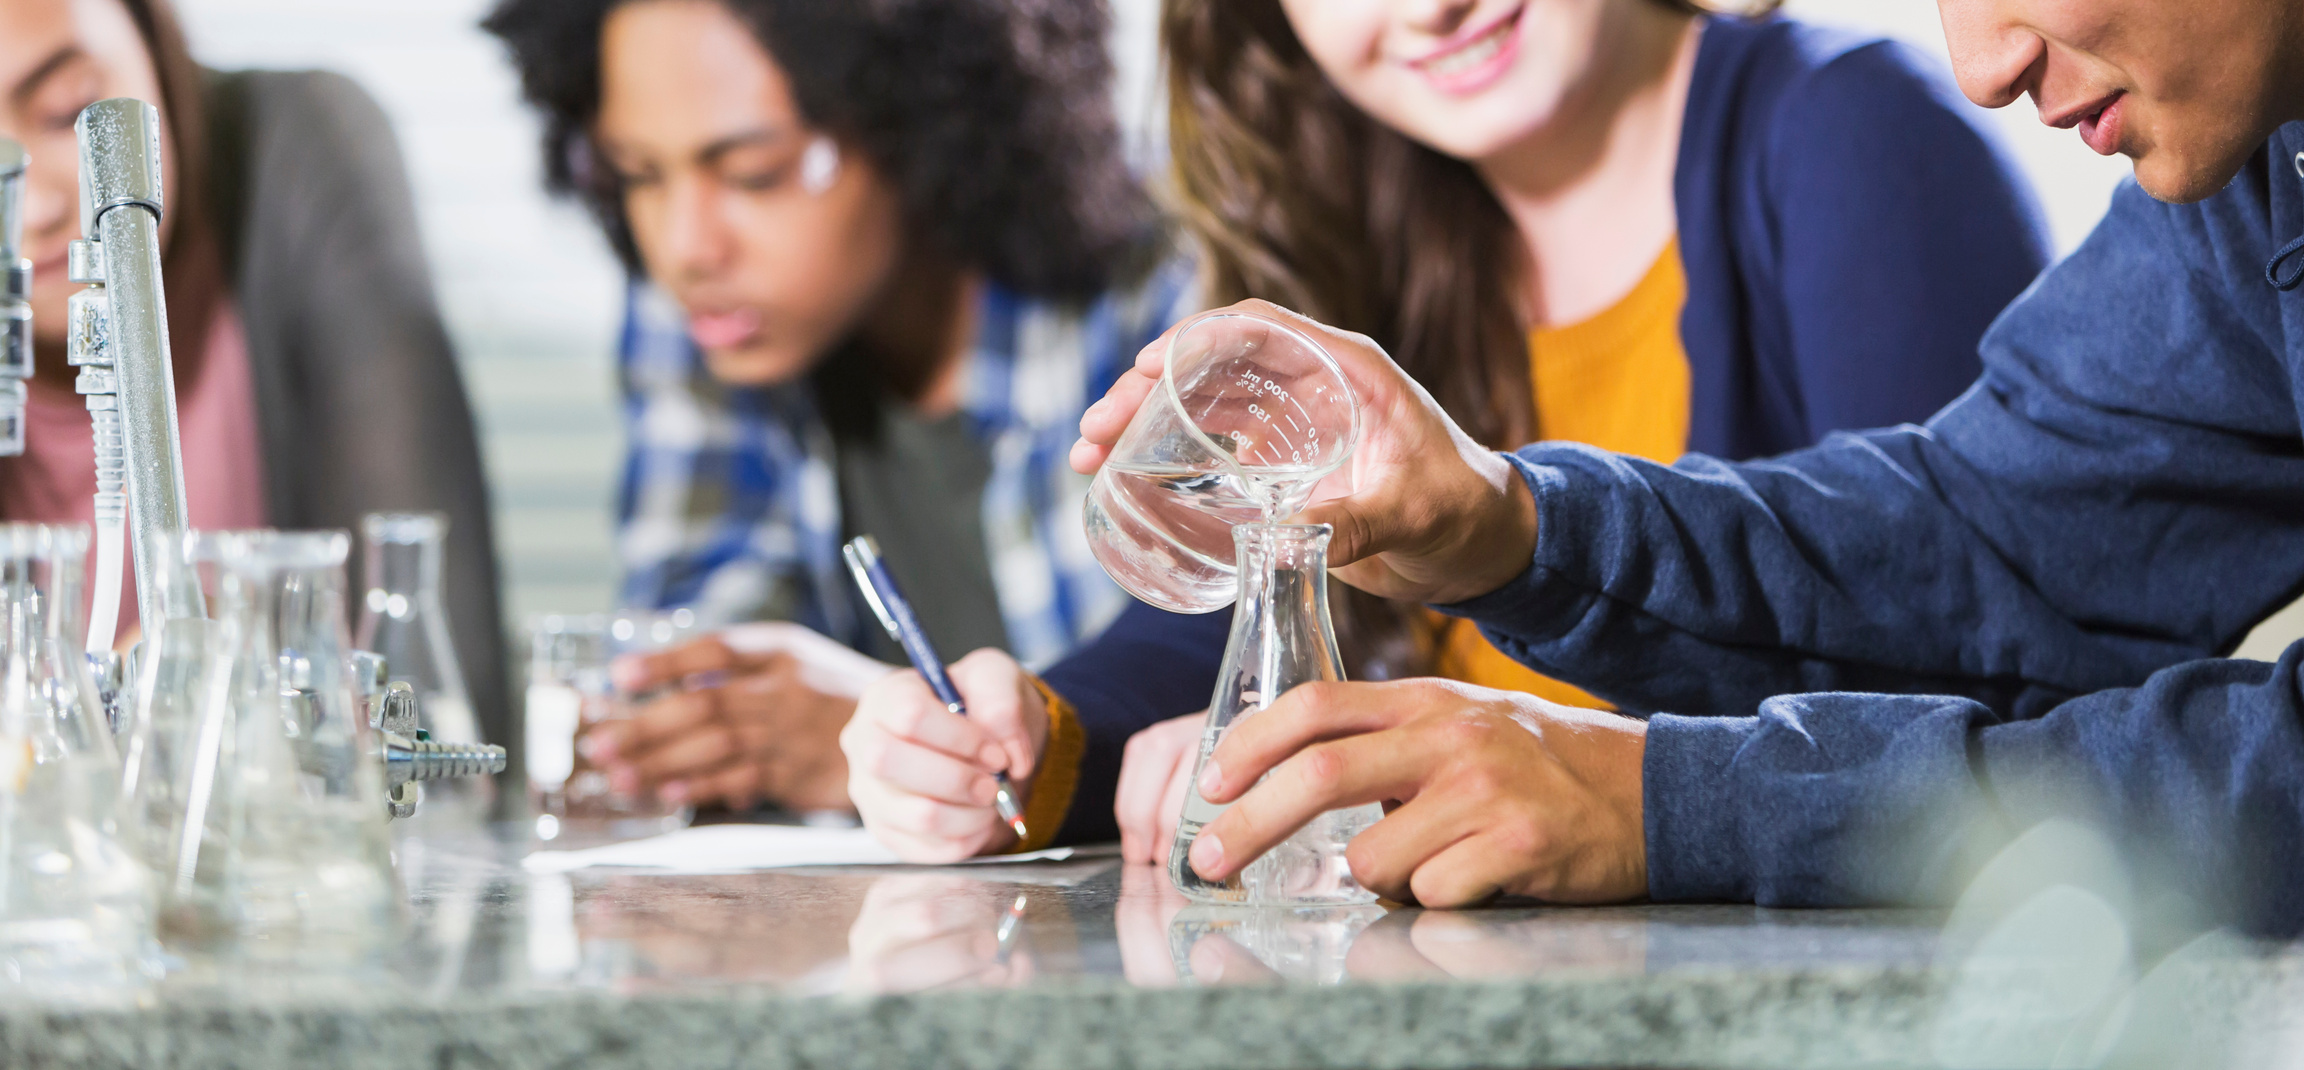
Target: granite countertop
1092,963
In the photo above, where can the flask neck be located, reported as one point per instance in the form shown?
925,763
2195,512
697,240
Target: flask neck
48,565
46,691
1281,622
1286,547
405,568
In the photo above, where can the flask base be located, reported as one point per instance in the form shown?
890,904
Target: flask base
1307,869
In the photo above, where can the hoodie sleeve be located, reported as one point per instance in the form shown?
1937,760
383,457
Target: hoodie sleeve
2053,565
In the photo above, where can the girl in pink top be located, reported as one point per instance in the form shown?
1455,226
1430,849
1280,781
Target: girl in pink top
314,380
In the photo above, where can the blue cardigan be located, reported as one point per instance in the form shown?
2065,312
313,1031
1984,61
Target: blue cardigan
1846,235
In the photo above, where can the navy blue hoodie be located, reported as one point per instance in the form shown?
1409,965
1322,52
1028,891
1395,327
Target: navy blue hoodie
2049,572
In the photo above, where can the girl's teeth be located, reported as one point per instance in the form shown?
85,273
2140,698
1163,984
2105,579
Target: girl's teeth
1471,55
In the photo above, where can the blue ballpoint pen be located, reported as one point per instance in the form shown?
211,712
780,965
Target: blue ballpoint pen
895,614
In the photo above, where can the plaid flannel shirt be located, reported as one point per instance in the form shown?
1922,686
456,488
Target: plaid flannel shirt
730,507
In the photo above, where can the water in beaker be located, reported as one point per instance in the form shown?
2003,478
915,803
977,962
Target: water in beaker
1247,419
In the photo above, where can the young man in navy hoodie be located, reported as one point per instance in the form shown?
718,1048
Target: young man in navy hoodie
1852,652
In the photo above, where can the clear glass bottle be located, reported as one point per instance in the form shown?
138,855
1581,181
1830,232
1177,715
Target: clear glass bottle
1281,637
403,618
281,848
75,905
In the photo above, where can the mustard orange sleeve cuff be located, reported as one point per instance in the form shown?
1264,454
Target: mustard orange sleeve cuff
1059,773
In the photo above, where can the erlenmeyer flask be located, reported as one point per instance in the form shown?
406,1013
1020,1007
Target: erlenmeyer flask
1247,419
179,665
403,618
282,831
75,905
1281,637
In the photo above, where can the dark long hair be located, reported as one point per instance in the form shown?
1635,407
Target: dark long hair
991,118
1300,198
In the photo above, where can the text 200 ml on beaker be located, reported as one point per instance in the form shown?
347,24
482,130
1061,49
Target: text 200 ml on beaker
1249,416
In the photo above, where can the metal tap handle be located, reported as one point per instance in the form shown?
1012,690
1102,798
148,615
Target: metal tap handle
410,756
15,300
120,206
427,759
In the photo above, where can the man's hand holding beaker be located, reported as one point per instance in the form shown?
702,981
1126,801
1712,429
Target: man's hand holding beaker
1421,511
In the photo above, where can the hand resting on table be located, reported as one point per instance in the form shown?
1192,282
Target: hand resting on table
750,714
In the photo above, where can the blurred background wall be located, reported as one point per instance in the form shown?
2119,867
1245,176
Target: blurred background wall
533,297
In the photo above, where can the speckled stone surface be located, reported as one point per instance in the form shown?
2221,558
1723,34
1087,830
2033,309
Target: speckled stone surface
1098,964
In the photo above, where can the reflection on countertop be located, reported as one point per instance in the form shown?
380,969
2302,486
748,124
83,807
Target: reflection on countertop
1093,962
868,930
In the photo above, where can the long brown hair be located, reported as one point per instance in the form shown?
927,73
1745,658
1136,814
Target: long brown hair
192,266
1298,197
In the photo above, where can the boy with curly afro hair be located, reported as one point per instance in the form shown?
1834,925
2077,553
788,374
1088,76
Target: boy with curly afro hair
884,254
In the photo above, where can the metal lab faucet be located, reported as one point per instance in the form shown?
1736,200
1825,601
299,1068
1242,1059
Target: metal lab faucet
15,300
119,334
120,206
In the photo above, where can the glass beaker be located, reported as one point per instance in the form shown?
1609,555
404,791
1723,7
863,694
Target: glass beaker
403,619
1249,416
75,905
1281,637
281,843
569,692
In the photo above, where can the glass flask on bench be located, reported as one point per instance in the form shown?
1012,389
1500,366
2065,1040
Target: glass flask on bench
280,850
75,904
403,618
1281,637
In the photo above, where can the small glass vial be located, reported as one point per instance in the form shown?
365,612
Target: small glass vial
1281,637
570,693
403,619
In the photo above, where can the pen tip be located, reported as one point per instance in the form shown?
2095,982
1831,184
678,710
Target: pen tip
1018,825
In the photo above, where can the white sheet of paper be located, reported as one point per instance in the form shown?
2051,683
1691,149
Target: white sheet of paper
743,848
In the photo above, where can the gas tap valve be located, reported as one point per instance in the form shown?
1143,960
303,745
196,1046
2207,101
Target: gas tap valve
410,756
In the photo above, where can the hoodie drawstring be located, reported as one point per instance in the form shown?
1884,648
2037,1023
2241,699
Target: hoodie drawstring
2286,269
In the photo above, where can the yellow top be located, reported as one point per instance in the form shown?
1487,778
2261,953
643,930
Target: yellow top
1618,381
